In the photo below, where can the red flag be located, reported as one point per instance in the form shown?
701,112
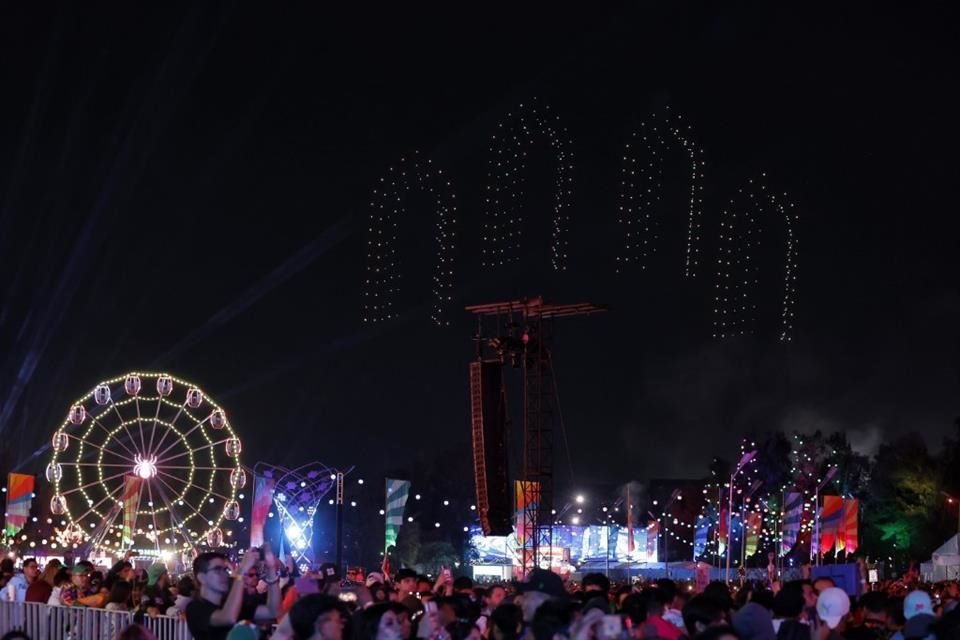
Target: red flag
830,519
851,525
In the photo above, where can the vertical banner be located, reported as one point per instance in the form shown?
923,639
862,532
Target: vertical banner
527,494
653,536
131,503
792,515
19,499
723,530
700,537
753,525
262,501
851,525
397,492
830,519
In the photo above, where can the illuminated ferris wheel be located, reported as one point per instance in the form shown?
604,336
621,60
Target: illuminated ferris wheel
147,462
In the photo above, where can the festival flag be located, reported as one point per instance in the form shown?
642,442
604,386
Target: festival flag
525,490
653,533
723,530
753,524
260,510
792,516
630,523
19,499
397,492
830,519
131,503
851,525
700,537
815,535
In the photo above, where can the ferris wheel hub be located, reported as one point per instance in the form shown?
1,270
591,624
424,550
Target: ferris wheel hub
145,467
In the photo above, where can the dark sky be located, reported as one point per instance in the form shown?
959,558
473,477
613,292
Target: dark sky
187,189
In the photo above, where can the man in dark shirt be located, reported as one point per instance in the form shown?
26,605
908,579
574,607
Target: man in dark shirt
217,609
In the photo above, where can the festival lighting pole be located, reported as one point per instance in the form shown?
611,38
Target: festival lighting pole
816,512
744,461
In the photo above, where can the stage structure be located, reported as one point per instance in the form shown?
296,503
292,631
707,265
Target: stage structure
296,494
518,334
145,462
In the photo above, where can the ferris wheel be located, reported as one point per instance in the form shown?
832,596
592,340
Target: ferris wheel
146,462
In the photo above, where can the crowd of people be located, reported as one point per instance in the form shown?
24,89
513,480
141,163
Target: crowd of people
262,596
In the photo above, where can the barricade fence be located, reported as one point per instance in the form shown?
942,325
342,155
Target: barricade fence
48,622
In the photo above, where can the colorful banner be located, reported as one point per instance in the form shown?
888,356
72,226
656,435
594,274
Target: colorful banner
526,490
131,503
792,517
851,526
397,493
260,509
653,535
754,522
19,499
830,519
700,537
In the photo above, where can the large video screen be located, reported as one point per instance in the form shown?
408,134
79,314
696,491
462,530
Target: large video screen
574,544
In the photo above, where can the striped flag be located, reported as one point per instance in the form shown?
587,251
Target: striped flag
792,516
830,520
397,492
752,532
260,510
19,499
131,503
851,525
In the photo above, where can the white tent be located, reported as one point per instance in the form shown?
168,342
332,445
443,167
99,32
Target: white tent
945,563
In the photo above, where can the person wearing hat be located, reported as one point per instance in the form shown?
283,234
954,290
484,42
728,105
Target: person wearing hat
156,595
918,612
540,586
833,605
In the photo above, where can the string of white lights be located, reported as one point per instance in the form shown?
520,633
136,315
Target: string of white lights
388,206
506,177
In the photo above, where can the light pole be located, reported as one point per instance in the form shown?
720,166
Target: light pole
744,461
832,471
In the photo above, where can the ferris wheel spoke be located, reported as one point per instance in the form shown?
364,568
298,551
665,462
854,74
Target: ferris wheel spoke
184,500
175,524
156,531
143,442
93,482
119,441
96,446
109,496
93,464
183,437
153,427
195,449
184,467
123,422
209,492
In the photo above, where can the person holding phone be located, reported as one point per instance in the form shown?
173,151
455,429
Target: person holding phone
218,607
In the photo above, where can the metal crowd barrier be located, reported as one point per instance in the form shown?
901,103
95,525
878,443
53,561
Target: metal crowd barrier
45,622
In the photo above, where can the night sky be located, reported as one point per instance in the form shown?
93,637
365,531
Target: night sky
188,189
